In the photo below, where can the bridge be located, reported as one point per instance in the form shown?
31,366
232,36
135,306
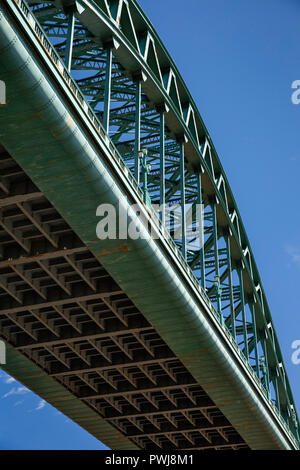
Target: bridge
147,342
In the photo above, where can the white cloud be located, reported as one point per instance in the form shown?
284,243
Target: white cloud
41,405
7,378
18,402
294,254
10,380
16,391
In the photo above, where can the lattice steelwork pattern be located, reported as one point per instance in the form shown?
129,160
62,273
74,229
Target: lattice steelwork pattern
136,92
119,71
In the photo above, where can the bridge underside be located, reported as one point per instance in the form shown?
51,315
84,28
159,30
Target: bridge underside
62,310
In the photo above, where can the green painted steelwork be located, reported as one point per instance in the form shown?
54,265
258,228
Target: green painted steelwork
70,38
137,145
179,306
162,164
107,91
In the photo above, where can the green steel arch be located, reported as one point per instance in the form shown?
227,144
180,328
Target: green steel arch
127,89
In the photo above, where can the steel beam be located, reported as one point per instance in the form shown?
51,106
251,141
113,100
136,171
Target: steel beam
201,231
256,353
231,299
162,167
101,366
140,390
216,258
137,141
107,89
70,39
182,198
244,323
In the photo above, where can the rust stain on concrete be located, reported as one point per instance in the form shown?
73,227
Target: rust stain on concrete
116,250
123,248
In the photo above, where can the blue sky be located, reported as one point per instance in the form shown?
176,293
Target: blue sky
239,59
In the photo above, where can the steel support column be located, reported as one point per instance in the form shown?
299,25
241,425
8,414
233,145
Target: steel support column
107,90
201,230
265,365
70,38
137,142
162,168
216,256
231,300
182,195
251,306
242,297
275,385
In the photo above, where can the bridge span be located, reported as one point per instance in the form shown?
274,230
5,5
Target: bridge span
148,343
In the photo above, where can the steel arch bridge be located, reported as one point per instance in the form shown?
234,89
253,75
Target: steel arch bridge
151,343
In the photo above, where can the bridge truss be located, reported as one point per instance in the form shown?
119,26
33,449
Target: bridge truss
120,73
